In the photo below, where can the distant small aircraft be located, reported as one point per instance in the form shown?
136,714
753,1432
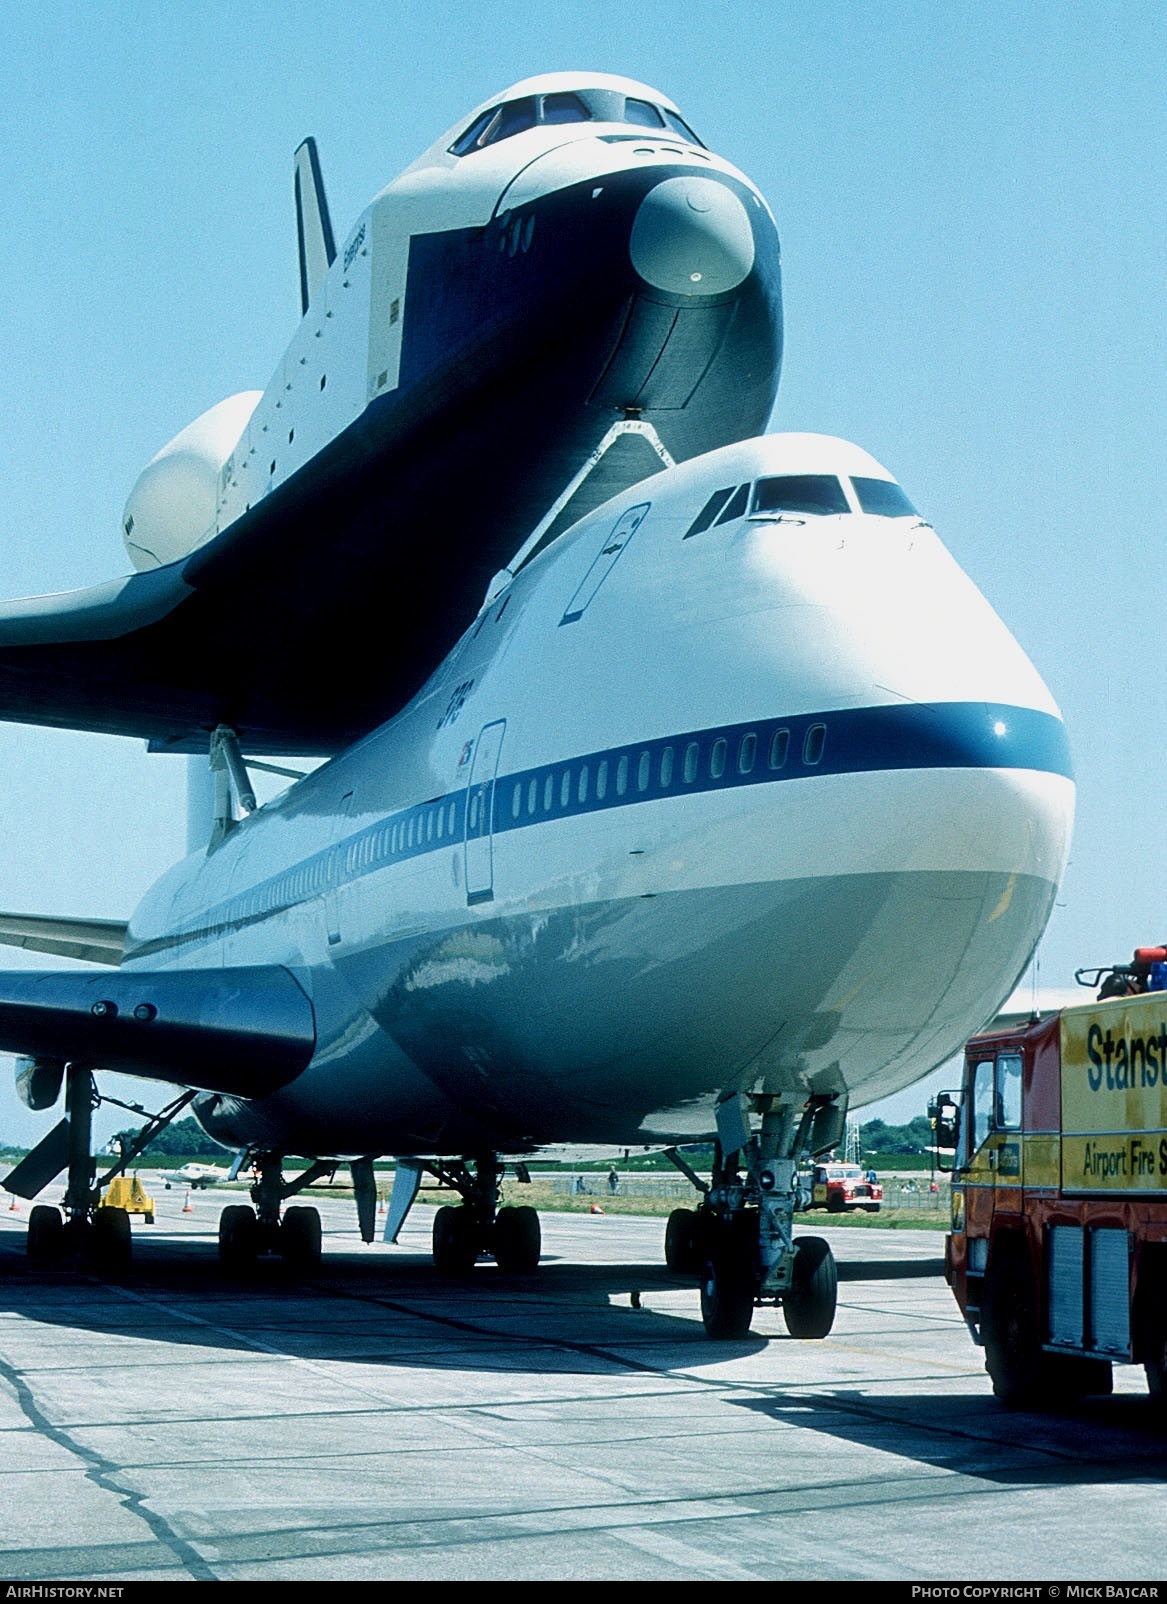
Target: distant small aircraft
200,1175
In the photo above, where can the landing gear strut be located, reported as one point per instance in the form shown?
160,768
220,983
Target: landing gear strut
85,1229
266,1227
740,1242
476,1226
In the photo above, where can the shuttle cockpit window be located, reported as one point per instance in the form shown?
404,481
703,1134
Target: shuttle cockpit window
513,118
516,116
680,126
645,115
564,108
817,494
883,497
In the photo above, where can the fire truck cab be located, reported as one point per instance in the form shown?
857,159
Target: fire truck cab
1058,1250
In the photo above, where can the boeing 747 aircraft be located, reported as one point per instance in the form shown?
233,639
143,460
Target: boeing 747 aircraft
730,803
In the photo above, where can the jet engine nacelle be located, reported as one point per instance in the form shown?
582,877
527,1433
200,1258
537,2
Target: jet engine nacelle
172,508
39,1082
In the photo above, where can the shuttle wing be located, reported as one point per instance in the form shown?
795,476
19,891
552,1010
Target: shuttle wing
306,623
261,629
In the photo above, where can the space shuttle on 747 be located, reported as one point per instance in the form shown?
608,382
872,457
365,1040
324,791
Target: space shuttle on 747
680,786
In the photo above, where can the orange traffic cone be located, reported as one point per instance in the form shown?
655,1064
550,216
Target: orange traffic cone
595,1209
186,1208
382,1209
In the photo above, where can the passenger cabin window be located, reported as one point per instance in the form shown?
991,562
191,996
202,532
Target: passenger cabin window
814,745
819,494
883,497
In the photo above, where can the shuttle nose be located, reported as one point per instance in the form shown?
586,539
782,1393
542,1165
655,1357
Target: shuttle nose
692,236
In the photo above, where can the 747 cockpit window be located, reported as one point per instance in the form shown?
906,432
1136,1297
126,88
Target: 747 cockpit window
819,494
516,116
883,497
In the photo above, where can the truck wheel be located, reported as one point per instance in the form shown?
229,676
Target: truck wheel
1154,1363
809,1306
1071,1375
834,1203
1009,1326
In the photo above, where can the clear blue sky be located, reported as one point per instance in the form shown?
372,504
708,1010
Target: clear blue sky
972,208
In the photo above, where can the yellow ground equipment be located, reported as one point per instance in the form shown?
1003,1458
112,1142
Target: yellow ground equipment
125,1192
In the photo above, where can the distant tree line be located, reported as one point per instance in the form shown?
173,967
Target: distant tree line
876,1136
184,1139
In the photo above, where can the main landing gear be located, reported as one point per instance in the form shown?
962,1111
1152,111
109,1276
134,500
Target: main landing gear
739,1243
249,1230
477,1226
84,1231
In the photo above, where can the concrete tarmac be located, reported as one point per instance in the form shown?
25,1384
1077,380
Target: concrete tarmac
377,1422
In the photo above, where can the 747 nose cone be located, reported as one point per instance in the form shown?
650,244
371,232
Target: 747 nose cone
692,236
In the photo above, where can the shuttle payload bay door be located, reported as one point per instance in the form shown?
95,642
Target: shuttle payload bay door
480,813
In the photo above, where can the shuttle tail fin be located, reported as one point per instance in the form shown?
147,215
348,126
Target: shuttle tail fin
313,224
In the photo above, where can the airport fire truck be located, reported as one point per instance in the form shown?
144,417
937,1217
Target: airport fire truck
1058,1249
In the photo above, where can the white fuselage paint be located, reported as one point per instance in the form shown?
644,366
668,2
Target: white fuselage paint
604,972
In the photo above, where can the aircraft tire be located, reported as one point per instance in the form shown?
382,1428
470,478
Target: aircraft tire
727,1279
809,1307
238,1237
46,1234
683,1254
300,1237
518,1240
110,1242
455,1247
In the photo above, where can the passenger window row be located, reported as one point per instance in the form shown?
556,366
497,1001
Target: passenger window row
658,769
593,783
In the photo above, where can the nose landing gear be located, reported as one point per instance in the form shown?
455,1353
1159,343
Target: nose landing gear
740,1242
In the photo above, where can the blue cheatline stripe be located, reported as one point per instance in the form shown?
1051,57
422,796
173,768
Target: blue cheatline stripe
868,740
763,752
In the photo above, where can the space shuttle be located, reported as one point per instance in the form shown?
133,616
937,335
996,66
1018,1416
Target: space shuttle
680,788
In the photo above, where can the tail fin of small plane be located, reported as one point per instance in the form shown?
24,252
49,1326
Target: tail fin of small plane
313,224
